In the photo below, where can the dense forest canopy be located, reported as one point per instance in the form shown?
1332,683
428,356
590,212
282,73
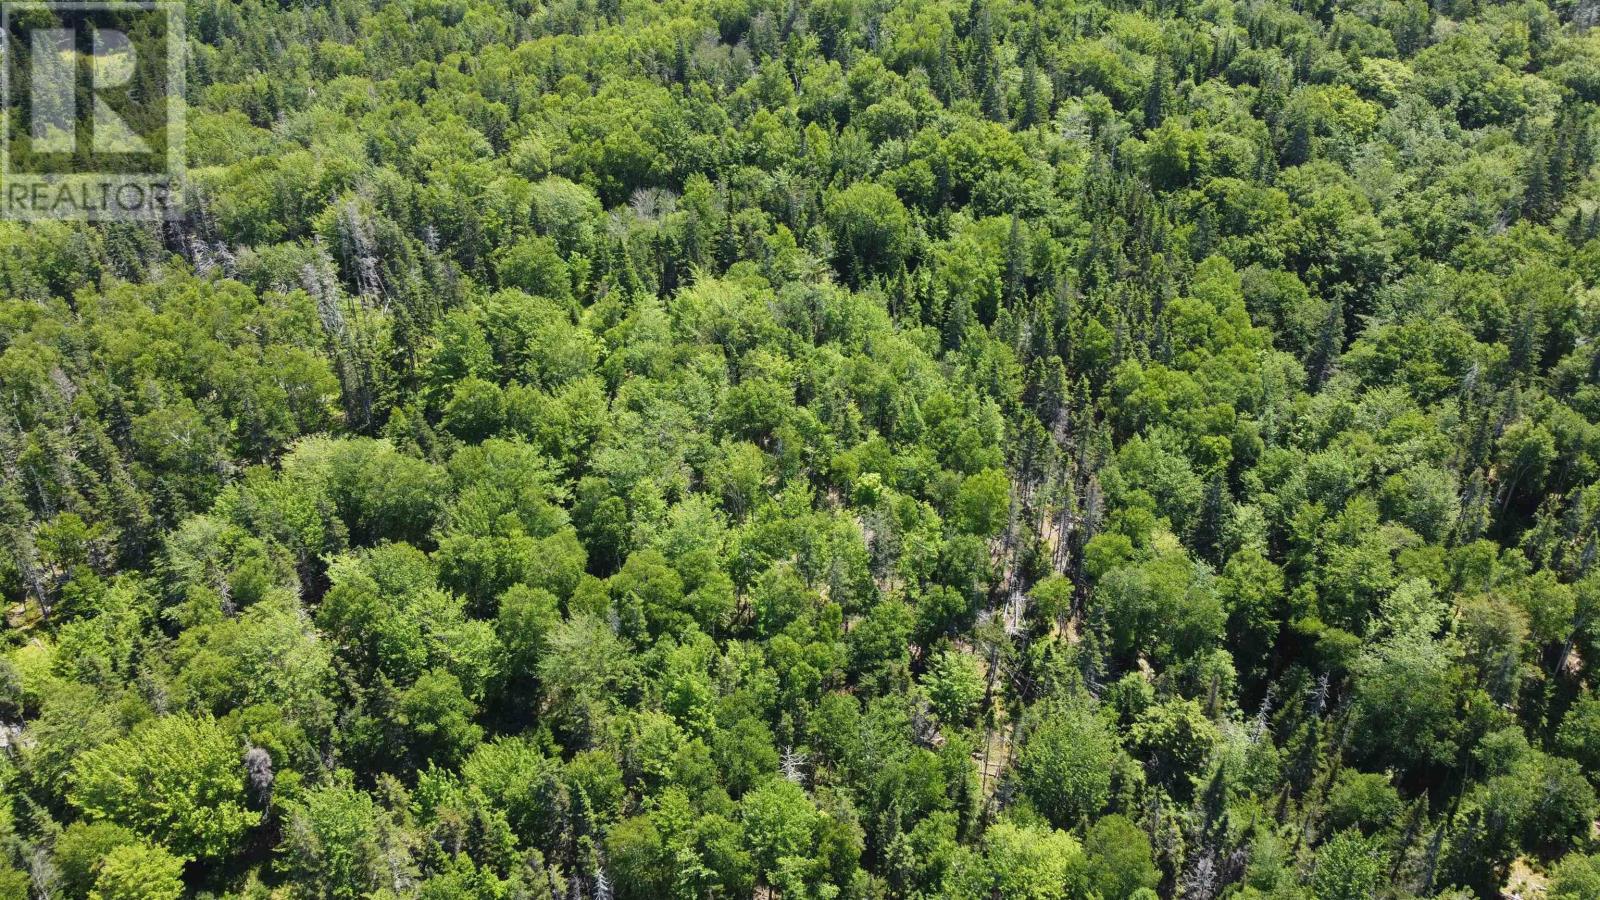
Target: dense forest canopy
840,449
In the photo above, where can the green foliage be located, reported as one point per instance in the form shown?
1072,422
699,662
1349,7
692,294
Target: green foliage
138,871
872,231
1577,876
820,449
339,844
1348,867
1179,738
177,779
437,718
1579,734
1120,862
955,685
1363,800
983,503
1026,862
81,848
779,825
1066,766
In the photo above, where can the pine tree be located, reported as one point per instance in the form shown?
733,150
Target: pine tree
1032,113
1536,193
1297,141
983,63
1330,343
1525,339
1215,511
993,94
942,77
1155,97
1574,231
1203,237
1016,262
957,316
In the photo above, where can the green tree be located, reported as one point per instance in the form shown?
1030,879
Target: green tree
1025,862
872,232
1364,800
1178,737
780,824
1575,877
955,685
437,719
1406,696
1349,867
1120,862
1066,766
178,779
138,871
1579,734
339,844
80,849
983,503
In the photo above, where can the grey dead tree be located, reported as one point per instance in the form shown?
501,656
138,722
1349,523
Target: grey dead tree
258,773
792,765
